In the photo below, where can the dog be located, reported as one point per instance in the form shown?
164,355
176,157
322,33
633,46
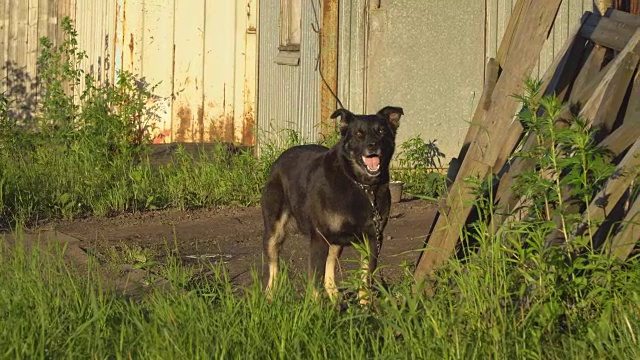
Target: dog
337,196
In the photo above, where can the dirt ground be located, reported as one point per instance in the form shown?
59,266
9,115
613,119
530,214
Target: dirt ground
233,235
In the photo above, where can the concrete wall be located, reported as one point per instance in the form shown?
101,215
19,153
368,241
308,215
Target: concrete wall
428,58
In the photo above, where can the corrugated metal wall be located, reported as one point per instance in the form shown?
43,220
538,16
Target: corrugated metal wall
22,24
203,55
200,54
289,94
95,22
352,55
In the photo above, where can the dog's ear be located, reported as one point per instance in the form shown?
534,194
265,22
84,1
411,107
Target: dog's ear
392,114
345,118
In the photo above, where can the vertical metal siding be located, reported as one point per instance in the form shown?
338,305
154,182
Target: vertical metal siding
277,101
200,54
22,24
351,55
309,85
289,97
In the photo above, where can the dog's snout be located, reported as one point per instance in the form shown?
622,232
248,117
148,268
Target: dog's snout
372,146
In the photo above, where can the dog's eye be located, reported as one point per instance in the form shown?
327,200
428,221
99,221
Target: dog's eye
359,134
381,131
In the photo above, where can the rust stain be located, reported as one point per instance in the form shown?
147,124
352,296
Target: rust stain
131,50
221,129
248,123
185,115
160,138
248,126
200,124
228,128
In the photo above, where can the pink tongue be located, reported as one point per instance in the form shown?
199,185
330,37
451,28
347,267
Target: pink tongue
372,162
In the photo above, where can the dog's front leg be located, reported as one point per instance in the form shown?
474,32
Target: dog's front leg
369,265
318,251
330,271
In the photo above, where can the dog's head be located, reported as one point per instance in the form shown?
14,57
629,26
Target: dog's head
368,142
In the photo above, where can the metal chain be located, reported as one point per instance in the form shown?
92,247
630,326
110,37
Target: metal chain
377,218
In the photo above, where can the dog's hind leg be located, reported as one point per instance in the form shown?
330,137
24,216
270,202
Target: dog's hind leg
275,215
318,253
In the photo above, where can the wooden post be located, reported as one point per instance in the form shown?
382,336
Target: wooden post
328,63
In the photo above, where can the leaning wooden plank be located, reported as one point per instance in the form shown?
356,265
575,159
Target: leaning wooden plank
505,195
491,77
624,17
515,19
633,106
528,40
607,32
591,68
602,108
606,113
604,201
619,140
556,79
622,243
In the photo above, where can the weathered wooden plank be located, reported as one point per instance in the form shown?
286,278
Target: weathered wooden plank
606,114
529,36
516,18
607,32
328,64
591,68
624,17
621,138
622,244
491,77
592,96
603,203
557,79
632,113
615,82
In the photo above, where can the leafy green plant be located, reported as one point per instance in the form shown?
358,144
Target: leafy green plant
418,165
569,169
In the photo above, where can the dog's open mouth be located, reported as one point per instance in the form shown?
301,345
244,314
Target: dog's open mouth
372,164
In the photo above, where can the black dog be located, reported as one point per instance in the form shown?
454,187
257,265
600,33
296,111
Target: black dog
337,196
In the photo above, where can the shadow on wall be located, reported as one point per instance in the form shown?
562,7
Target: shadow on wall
20,91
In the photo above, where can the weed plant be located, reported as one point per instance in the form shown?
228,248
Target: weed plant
418,163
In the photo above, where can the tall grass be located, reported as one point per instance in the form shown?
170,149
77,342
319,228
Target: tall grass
513,301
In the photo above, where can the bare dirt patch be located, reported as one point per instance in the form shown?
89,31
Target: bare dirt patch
234,235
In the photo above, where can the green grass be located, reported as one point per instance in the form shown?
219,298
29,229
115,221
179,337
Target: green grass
508,303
